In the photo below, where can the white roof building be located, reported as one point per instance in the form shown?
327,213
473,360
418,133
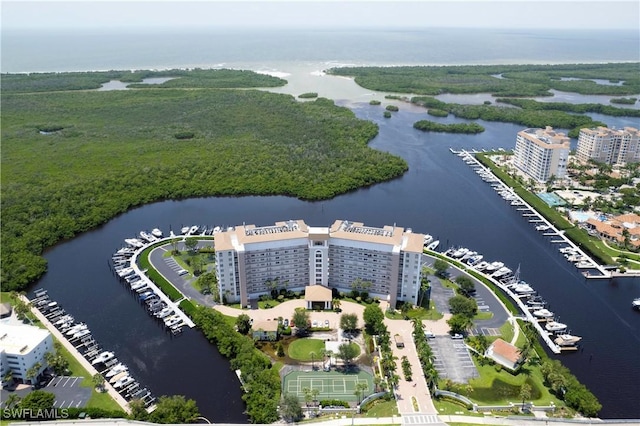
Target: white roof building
542,153
21,347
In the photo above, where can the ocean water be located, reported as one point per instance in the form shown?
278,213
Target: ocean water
278,50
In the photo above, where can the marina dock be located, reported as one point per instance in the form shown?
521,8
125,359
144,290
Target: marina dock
572,252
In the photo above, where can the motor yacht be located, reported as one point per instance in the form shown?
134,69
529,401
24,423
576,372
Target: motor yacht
482,265
494,266
119,376
103,357
75,328
427,238
127,380
81,333
567,340
156,232
117,369
555,326
193,229
636,303
433,245
543,313
523,288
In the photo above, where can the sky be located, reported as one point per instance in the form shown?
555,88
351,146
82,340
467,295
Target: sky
542,14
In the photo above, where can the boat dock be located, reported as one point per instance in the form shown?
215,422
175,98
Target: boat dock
77,339
158,304
570,250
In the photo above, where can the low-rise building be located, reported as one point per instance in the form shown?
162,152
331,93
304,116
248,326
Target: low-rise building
617,229
265,330
21,348
505,354
542,153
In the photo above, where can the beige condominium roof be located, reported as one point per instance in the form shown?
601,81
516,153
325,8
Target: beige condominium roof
317,293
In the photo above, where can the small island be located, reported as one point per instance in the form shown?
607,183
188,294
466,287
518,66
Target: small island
624,101
308,95
432,126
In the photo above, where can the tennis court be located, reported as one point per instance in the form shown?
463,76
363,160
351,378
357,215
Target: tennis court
330,384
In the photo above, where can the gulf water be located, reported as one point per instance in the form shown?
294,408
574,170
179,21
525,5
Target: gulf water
439,194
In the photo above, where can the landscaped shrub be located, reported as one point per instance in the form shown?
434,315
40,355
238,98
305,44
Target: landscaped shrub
333,403
184,135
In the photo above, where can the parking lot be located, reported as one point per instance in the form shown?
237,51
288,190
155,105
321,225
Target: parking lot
452,359
68,391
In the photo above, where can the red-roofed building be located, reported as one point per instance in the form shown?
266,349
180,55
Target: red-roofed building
504,354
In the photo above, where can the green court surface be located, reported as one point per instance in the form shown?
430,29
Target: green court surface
331,384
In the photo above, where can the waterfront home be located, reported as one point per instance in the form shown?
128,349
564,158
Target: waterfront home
613,229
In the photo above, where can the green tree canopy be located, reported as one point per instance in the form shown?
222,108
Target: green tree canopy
463,306
347,352
466,284
349,322
459,323
290,409
373,319
174,409
301,321
243,323
37,400
440,267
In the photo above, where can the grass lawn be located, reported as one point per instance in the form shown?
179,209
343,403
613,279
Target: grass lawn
448,407
301,349
483,316
382,408
507,331
420,313
501,387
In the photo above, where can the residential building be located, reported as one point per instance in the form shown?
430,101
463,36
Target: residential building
21,348
251,261
542,153
610,146
617,229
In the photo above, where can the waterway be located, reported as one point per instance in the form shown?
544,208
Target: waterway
439,195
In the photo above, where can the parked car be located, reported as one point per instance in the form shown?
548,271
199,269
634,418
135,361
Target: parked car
286,322
429,335
326,323
457,336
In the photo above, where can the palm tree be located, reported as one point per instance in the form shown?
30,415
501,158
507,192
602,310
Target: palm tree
336,304
12,400
307,395
98,381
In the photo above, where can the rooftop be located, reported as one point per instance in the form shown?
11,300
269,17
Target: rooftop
20,339
317,293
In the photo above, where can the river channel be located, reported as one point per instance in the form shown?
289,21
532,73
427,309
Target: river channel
439,195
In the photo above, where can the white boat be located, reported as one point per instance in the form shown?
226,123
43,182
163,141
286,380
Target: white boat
193,229
555,326
636,303
482,265
134,242
427,239
75,328
119,376
63,319
172,321
501,272
566,340
117,369
123,382
138,284
494,266
523,288
103,357
460,252
184,230
156,232
543,313
216,229
81,333
433,245
542,227
474,260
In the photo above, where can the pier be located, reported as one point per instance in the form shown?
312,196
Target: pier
532,215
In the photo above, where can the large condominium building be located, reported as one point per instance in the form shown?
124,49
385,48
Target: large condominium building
542,153
251,259
609,145
21,348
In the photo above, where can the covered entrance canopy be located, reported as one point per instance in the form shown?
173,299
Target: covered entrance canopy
318,297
